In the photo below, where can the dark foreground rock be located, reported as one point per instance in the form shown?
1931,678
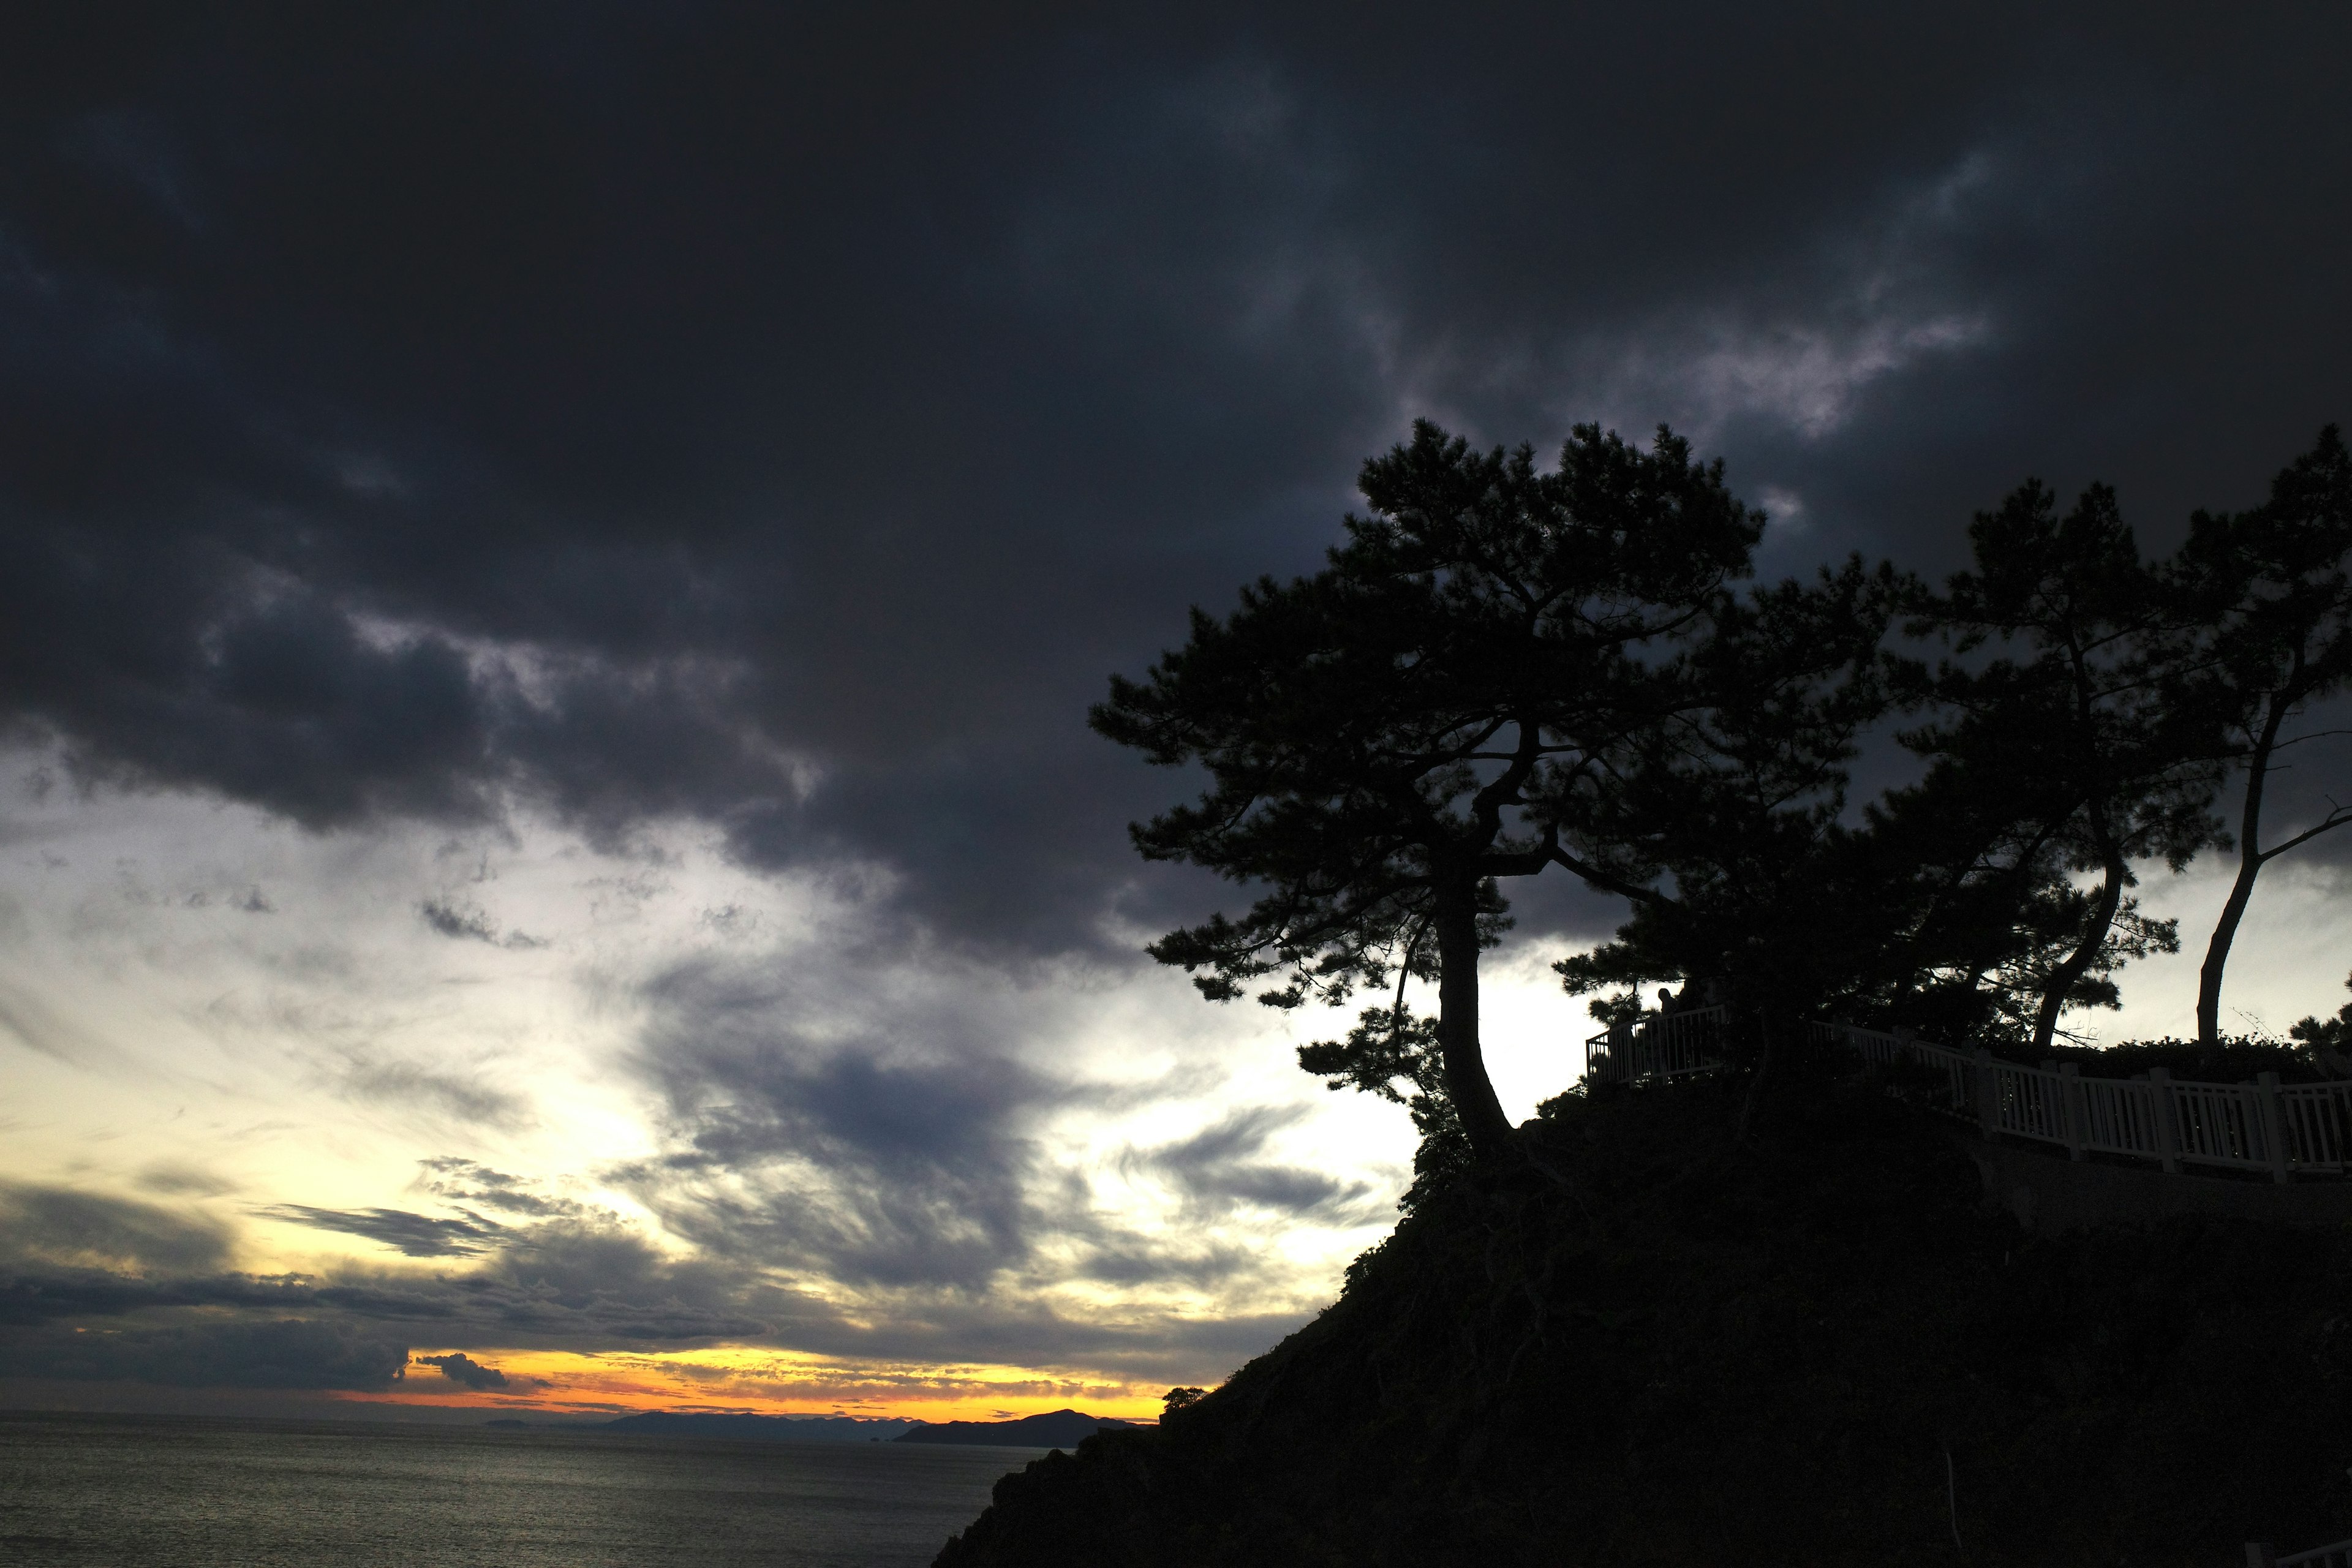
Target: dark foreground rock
1821,1349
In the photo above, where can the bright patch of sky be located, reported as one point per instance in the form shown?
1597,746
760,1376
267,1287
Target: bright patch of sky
393,1053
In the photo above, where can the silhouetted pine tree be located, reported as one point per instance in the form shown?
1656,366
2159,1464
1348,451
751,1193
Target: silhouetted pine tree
2273,586
1382,737
2069,750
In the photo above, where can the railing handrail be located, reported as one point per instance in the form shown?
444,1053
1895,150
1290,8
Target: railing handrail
1656,1047
2259,1126
1716,1013
2262,1125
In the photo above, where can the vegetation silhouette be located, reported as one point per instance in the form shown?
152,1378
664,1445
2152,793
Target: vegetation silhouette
1653,1325
1501,669
1727,814
2076,752
1703,1351
1386,739
2328,1040
2271,587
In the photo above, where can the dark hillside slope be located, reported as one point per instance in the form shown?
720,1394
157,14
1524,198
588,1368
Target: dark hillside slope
1691,1355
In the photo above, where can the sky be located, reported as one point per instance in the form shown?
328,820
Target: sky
553,559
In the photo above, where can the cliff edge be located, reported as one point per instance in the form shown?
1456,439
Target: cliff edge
1650,1346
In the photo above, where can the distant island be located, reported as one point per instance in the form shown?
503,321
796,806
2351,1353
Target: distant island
746,1428
1055,1429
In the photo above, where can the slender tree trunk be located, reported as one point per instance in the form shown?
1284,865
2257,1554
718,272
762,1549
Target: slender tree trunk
2225,932
2094,935
1756,1084
1483,1121
2241,892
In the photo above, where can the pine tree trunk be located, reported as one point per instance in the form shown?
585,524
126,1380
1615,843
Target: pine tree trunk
2250,866
2217,952
2095,936
1466,1084
1756,1084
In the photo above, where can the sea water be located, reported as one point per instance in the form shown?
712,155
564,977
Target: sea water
147,1492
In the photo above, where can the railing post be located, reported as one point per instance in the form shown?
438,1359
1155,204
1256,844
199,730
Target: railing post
2273,1124
2260,1554
1987,1097
2168,1131
2070,1106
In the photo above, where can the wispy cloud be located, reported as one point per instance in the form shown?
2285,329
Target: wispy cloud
1221,1167
467,921
411,1235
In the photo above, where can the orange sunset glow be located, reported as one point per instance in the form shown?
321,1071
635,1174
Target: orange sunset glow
765,1383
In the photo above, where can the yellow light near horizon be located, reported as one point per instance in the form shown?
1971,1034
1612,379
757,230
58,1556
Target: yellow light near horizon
763,1382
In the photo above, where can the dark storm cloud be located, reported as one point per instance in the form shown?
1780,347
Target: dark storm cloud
562,1275
145,1285
572,1285
885,1138
469,1181
959,1328
884,1143
61,1225
519,1301
216,1330
39,1292
576,1287
173,1179
453,919
580,1281
465,920
463,1369
1221,1166
411,1235
787,423
576,1281
457,1096
289,1352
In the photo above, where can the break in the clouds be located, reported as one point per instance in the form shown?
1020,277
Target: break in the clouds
751,1119
551,567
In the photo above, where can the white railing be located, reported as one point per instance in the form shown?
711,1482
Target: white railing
2264,1125
2259,1555
1659,1048
2318,1118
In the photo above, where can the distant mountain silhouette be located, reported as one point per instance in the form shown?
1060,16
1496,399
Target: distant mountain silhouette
1055,1429
761,1428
